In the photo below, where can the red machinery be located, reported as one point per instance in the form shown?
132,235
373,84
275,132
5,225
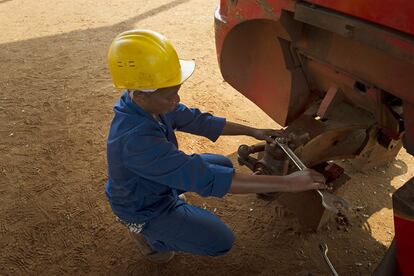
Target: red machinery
338,75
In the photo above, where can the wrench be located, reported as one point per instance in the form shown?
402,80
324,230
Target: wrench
324,249
329,201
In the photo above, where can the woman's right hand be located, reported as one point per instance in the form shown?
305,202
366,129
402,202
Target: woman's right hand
306,180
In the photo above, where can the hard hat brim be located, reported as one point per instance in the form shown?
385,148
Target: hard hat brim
187,69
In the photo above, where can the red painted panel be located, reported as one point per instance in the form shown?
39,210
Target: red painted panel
404,229
396,14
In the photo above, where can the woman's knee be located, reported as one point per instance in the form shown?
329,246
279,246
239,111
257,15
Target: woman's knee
224,242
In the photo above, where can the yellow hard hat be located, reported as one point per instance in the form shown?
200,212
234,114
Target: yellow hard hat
146,60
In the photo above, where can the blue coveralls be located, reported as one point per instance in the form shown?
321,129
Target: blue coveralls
147,172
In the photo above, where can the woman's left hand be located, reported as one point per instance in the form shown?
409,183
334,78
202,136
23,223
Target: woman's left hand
267,134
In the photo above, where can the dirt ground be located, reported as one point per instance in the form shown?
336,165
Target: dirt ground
56,104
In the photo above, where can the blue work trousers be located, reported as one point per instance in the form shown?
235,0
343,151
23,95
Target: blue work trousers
190,229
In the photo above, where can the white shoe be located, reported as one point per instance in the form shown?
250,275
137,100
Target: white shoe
183,197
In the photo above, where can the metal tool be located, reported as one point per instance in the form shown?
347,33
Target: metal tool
324,249
329,201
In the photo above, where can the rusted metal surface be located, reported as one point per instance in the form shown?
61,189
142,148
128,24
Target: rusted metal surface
271,161
307,206
396,14
284,86
396,44
409,129
375,153
370,65
340,143
330,201
230,11
348,132
283,55
387,120
332,98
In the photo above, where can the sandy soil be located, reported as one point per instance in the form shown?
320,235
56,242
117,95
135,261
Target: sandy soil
55,108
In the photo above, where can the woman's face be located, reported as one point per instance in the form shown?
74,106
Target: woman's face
163,100
166,99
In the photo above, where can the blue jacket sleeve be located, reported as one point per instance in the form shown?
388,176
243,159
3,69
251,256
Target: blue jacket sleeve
158,160
192,120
